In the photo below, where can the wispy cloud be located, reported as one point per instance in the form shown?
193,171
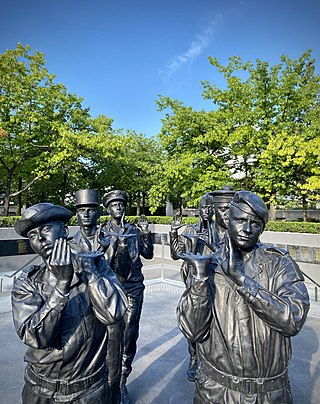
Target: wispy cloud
196,48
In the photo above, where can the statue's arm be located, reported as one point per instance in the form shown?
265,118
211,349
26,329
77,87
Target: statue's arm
285,307
36,318
194,309
109,301
146,244
175,244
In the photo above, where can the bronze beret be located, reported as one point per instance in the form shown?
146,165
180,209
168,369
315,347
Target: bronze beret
255,203
38,214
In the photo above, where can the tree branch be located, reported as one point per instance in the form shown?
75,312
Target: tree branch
33,181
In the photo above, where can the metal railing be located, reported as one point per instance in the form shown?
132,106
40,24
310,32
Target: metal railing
315,287
15,273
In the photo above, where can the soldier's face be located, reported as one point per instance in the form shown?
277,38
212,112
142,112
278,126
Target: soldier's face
43,238
222,214
87,216
245,227
206,211
116,209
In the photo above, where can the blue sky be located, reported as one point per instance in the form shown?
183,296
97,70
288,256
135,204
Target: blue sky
119,55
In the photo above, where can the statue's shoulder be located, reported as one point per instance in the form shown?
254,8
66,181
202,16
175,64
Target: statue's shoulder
105,226
29,272
274,250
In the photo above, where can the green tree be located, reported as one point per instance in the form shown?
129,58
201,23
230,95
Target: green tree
131,167
195,154
272,114
44,130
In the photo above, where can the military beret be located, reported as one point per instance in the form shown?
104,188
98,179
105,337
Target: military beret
87,197
115,195
38,214
225,194
254,202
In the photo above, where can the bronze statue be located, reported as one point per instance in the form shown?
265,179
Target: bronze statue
221,201
89,240
242,306
61,310
195,239
126,242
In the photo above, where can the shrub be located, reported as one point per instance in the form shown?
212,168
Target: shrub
294,227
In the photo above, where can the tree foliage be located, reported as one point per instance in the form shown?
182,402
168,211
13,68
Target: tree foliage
49,143
262,133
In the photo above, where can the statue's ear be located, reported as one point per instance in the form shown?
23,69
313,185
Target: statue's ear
66,231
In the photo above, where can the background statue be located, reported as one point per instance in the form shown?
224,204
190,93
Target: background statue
197,238
241,308
60,310
221,201
88,240
126,242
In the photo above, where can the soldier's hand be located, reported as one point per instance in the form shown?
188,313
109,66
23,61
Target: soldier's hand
200,263
103,240
60,264
231,265
176,223
143,223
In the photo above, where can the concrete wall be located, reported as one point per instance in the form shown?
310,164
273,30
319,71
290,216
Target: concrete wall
304,248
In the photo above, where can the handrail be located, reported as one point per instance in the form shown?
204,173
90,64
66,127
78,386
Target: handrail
312,280
16,272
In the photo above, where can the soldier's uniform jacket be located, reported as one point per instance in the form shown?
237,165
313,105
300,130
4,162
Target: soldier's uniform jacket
126,262
80,243
244,332
67,335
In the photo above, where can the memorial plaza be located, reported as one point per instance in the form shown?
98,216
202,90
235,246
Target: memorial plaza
159,371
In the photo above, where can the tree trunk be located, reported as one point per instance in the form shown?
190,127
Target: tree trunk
64,188
138,204
130,201
7,196
143,202
272,212
19,203
305,208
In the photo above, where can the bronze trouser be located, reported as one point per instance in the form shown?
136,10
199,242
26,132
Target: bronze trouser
114,360
131,331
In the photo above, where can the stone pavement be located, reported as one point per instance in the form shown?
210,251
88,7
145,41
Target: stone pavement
160,365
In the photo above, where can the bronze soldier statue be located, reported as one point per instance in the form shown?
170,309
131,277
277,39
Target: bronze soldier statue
197,238
126,243
242,307
221,201
89,240
61,309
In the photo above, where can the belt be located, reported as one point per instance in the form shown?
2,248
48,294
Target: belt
248,385
66,387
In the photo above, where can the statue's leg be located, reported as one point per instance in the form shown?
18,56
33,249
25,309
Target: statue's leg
131,332
114,360
193,362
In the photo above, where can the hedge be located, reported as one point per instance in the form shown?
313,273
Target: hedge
294,227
